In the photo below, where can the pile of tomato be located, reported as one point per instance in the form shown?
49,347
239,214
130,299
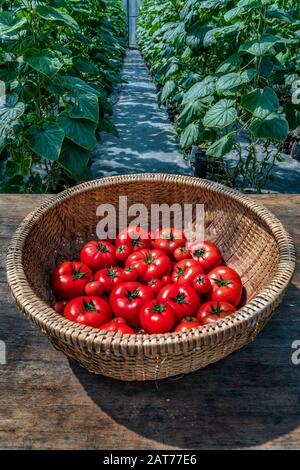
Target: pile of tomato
140,283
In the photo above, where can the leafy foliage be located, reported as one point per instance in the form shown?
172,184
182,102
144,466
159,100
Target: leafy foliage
227,69
60,61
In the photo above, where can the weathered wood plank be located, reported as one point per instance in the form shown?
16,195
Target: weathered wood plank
251,399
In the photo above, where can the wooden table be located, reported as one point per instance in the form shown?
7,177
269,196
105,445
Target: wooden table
250,399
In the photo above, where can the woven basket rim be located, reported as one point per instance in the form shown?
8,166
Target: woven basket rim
51,322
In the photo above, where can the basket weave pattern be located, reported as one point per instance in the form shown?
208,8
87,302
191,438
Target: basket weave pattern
251,239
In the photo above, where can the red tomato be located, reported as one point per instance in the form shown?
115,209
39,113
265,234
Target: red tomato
187,324
166,280
109,278
168,239
94,288
185,271
183,299
88,310
207,254
226,285
134,237
98,254
201,284
122,252
130,274
149,264
182,253
117,325
127,299
59,306
157,317
210,312
155,285
70,278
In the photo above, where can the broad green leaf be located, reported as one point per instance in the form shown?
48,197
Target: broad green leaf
44,61
191,135
86,107
172,69
73,158
265,67
292,115
196,34
78,86
260,47
10,23
261,102
52,14
233,13
80,131
11,109
192,111
231,63
232,80
199,90
85,66
167,90
105,125
221,147
274,127
220,115
47,140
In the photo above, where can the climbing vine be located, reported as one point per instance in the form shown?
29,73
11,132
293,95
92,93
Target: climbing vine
227,69
59,63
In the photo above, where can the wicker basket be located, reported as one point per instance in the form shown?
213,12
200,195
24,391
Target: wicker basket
251,239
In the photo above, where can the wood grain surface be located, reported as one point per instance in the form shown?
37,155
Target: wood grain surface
249,400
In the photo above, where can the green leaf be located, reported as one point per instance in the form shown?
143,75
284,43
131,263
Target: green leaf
86,107
83,65
220,115
260,47
80,131
11,109
261,102
265,67
191,135
44,61
73,158
10,23
167,90
52,14
274,127
192,111
78,86
196,33
221,147
200,89
46,141
228,65
105,125
232,80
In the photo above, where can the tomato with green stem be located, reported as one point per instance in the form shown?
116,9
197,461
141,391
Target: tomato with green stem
98,254
109,278
185,271
130,274
122,252
155,285
182,253
127,299
201,284
168,239
149,264
136,238
157,317
226,285
183,299
210,312
69,279
207,254
88,310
